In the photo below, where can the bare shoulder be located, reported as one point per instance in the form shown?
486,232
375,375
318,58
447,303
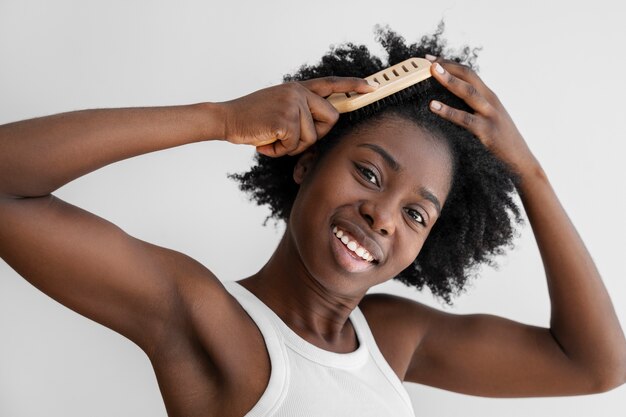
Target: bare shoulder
398,325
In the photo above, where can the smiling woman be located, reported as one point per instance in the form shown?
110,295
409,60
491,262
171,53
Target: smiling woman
478,220
420,190
367,187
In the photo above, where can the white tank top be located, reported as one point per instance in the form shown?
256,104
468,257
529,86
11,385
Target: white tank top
307,381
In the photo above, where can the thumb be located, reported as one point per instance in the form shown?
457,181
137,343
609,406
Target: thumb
328,85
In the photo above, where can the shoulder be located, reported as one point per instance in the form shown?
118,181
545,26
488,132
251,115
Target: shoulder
384,310
398,325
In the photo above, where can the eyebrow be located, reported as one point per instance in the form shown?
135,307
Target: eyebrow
430,197
393,164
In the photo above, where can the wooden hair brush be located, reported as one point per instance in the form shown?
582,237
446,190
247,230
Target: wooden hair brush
390,81
394,84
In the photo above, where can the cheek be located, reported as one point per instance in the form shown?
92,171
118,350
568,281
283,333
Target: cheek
406,249
411,253
329,187
310,211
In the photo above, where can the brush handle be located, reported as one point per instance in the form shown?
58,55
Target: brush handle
390,81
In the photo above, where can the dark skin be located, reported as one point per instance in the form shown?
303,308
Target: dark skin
208,355
319,280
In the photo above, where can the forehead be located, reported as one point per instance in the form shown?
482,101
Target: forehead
421,157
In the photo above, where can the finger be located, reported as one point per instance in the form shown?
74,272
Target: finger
463,72
267,150
273,150
323,113
457,69
264,142
271,136
288,143
461,118
287,132
308,133
467,91
467,74
325,86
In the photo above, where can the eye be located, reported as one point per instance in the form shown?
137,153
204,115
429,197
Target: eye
416,216
367,174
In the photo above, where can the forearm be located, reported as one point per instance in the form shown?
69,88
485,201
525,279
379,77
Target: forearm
38,156
583,319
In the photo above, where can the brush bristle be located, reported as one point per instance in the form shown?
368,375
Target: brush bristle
406,95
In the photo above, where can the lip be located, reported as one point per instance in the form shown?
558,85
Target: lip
363,239
347,260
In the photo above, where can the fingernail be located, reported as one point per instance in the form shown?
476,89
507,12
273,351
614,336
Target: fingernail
439,68
372,83
435,105
430,57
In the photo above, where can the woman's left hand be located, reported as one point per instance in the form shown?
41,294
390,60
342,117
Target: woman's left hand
490,121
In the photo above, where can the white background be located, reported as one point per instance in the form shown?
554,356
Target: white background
557,66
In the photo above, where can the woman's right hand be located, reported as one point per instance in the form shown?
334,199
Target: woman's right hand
286,119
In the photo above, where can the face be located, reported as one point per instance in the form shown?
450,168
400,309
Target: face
365,208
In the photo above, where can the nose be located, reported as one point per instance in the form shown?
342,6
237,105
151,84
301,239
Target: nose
379,216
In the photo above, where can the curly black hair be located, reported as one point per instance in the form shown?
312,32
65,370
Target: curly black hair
479,216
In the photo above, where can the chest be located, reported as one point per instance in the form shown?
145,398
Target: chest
314,386
237,367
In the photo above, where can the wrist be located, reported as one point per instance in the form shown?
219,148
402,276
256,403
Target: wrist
530,175
211,121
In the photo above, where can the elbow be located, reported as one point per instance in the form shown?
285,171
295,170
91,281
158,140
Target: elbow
608,384
609,379
606,371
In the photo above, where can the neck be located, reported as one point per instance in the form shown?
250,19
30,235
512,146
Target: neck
316,313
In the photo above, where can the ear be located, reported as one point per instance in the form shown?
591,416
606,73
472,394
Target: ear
304,166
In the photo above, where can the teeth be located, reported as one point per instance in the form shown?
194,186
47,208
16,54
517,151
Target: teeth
352,245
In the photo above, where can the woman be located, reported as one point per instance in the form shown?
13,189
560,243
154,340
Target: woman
301,337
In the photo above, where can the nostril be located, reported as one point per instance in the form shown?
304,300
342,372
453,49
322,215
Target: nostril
369,219
384,232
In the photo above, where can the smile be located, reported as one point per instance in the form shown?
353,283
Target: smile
352,245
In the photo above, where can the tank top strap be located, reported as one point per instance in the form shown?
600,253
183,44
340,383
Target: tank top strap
365,333
279,339
279,374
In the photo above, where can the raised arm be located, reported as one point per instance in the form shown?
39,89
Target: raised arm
86,262
77,258
583,350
